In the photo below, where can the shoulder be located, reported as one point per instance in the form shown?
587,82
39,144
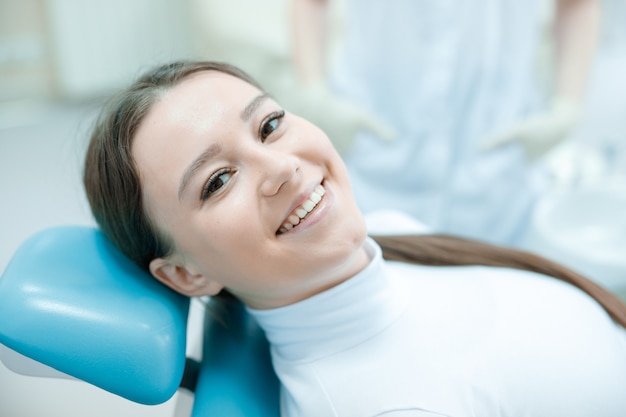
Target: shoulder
500,279
515,297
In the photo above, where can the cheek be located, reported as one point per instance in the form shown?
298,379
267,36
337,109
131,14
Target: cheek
225,237
322,151
323,146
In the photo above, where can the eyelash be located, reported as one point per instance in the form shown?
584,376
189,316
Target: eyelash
275,116
208,189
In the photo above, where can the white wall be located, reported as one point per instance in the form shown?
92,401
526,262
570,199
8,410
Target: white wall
98,45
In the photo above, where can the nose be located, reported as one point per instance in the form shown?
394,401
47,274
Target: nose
277,169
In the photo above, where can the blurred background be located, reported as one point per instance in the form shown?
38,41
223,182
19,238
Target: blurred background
59,59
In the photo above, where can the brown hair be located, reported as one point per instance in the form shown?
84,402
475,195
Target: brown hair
113,189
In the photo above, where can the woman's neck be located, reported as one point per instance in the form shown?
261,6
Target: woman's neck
342,316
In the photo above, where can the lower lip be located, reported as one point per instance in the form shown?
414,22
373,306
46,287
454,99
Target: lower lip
315,216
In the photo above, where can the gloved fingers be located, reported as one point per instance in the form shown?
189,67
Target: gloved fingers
343,126
512,134
538,133
535,138
340,118
343,119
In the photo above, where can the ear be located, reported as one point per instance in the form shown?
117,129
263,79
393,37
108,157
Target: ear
182,280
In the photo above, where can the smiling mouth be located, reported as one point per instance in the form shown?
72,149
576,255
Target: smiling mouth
303,210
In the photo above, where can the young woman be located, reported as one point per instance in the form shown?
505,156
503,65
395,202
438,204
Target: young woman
200,177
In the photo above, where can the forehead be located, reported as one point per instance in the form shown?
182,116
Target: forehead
199,94
195,106
215,81
183,121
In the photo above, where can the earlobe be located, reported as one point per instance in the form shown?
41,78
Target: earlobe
182,280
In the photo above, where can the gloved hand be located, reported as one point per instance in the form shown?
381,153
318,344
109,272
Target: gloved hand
540,132
339,118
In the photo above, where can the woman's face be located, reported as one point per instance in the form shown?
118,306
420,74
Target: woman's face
255,199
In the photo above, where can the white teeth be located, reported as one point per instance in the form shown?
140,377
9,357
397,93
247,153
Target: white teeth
302,211
315,197
308,205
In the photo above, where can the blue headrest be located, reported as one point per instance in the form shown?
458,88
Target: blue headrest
71,300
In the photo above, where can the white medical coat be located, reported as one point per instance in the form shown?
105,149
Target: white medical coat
444,74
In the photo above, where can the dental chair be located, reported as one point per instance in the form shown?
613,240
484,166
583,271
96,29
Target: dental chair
70,301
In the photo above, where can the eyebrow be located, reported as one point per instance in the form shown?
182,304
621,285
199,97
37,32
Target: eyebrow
209,153
247,112
216,148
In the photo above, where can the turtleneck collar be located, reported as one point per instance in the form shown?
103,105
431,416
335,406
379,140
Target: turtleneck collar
336,319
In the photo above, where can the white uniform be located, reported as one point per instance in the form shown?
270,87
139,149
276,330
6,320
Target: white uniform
406,340
445,74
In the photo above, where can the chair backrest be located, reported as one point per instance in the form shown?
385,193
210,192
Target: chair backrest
70,300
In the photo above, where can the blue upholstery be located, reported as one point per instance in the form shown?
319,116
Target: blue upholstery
72,301
236,368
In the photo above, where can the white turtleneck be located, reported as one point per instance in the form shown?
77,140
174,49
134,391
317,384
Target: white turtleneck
405,340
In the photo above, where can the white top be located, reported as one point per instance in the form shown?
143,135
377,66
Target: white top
445,74
406,340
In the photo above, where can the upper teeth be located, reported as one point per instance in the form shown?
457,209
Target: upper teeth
302,210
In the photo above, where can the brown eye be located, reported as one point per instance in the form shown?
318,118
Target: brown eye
215,182
270,124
